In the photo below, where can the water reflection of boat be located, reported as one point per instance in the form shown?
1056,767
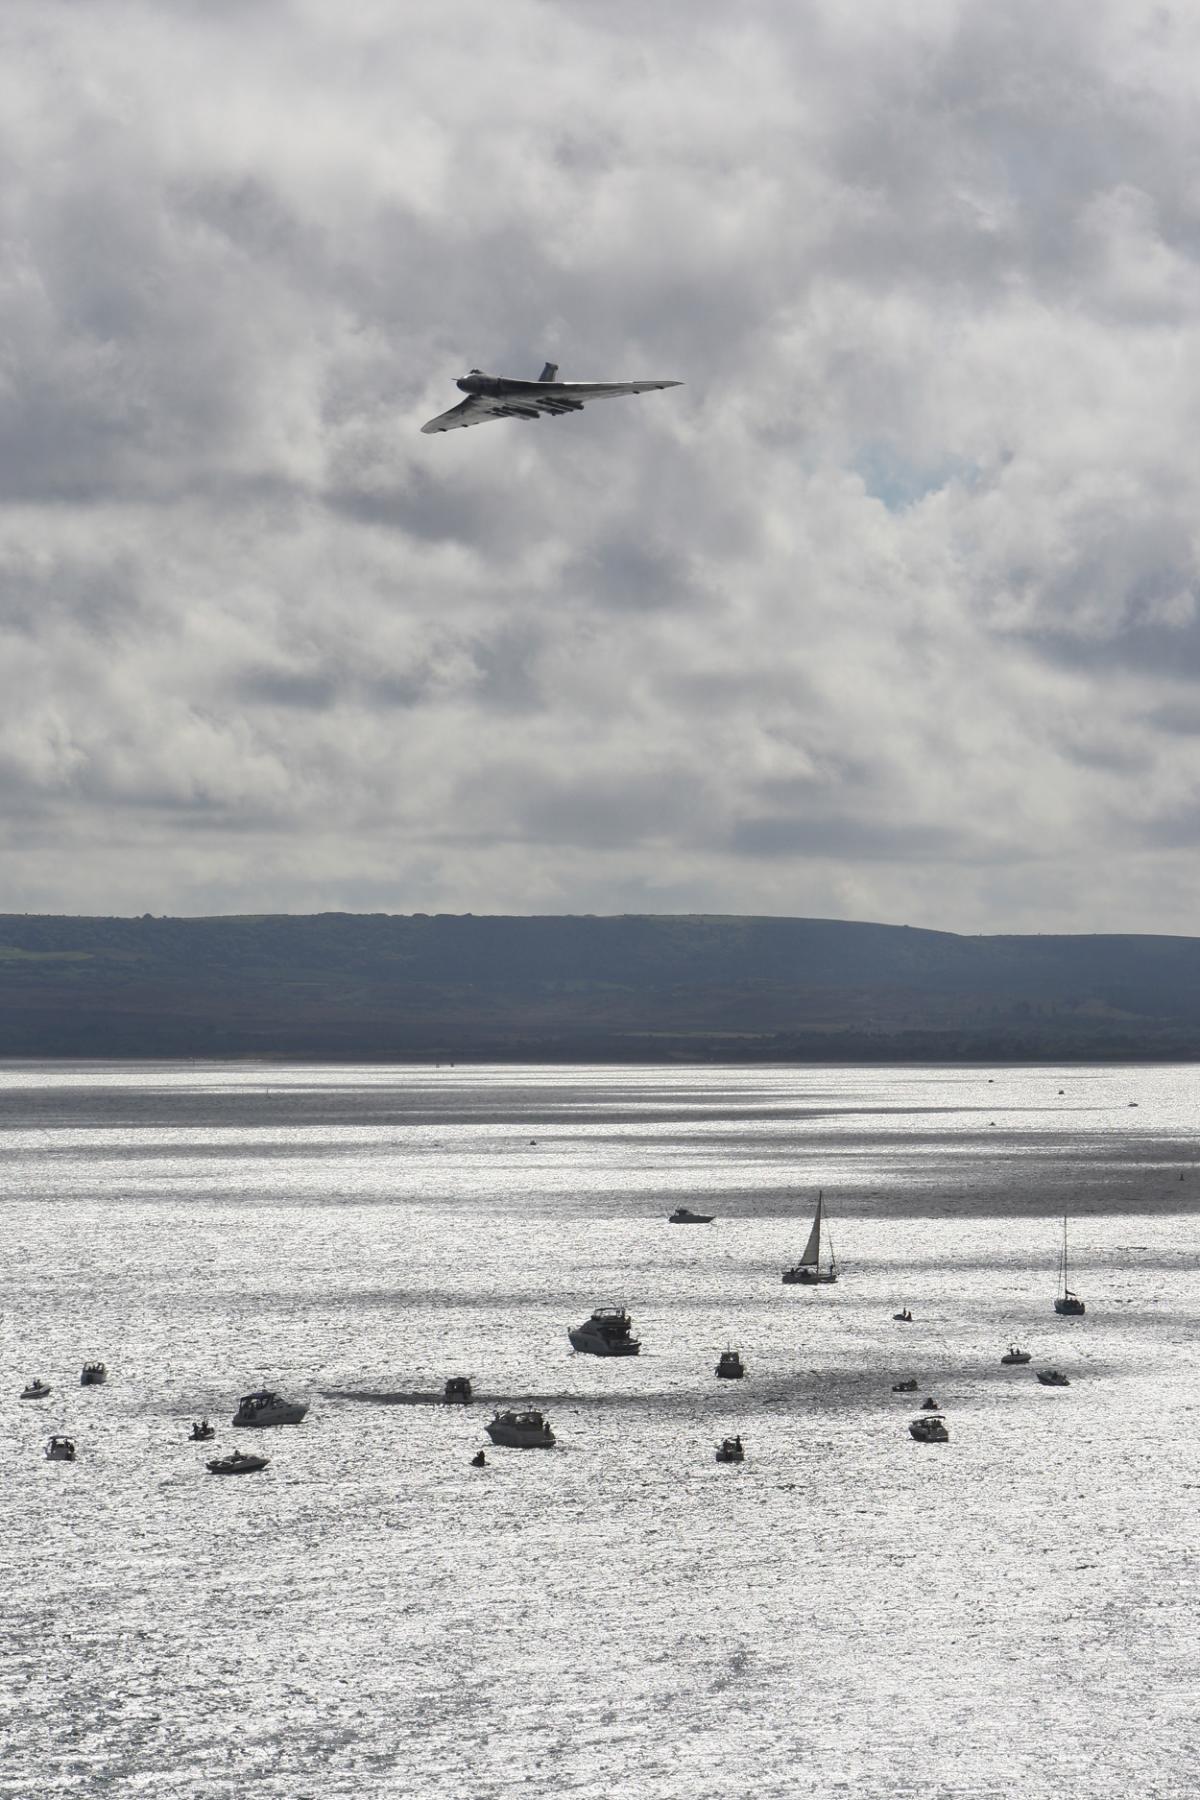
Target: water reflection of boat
521,1431
607,1333
807,1272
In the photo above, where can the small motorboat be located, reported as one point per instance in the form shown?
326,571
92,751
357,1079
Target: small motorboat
1013,1355
730,1450
683,1215
609,1332
94,1375
521,1431
1052,1378
36,1390
457,1391
238,1463
903,1318
929,1429
202,1431
930,1405
60,1449
905,1387
730,1366
266,1408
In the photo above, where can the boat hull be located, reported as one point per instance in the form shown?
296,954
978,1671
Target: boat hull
808,1277
593,1344
285,1414
1070,1307
513,1438
238,1465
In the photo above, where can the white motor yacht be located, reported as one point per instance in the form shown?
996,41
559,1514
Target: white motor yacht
521,1431
266,1408
607,1333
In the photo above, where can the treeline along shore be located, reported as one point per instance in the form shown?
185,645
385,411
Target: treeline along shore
635,988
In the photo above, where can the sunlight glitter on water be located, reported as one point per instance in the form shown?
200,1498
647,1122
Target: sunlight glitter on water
372,1616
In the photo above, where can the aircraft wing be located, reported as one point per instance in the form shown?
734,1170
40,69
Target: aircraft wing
476,409
536,399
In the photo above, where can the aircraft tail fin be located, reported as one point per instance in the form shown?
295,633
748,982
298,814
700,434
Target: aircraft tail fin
549,373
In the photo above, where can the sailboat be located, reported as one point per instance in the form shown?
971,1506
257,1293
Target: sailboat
808,1270
1067,1302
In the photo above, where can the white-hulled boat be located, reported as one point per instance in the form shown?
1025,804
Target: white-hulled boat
266,1408
60,1449
239,1463
36,1390
607,1333
521,1431
808,1271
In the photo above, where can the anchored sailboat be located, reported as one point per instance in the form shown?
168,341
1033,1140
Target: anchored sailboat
808,1270
1067,1302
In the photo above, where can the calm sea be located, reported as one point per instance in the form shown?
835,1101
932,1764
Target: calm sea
1017,1612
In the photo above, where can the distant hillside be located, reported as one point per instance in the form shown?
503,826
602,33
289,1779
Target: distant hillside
636,988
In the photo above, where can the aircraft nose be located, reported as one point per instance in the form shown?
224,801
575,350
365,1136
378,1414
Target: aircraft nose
471,384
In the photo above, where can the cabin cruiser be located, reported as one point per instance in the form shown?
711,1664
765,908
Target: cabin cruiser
458,1390
729,1450
266,1408
94,1375
239,1463
905,1387
607,1333
60,1449
1013,1355
730,1366
521,1431
930,1428
684,1216
202,1431
1052,1378
36,1390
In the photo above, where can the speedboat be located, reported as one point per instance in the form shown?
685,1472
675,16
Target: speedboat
266,1408
730,1366
607,1333
239,1463
60,1449
202,1432
1013,1355
521,1431
684,1216
1052,1378
905,1387
94,1375
37,1390
729,1450
930,1428
458,1390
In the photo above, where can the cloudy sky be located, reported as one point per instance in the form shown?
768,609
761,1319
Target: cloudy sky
890,612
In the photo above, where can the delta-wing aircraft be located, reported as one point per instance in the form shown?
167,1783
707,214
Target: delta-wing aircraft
502,397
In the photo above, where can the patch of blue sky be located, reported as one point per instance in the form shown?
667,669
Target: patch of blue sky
899,482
